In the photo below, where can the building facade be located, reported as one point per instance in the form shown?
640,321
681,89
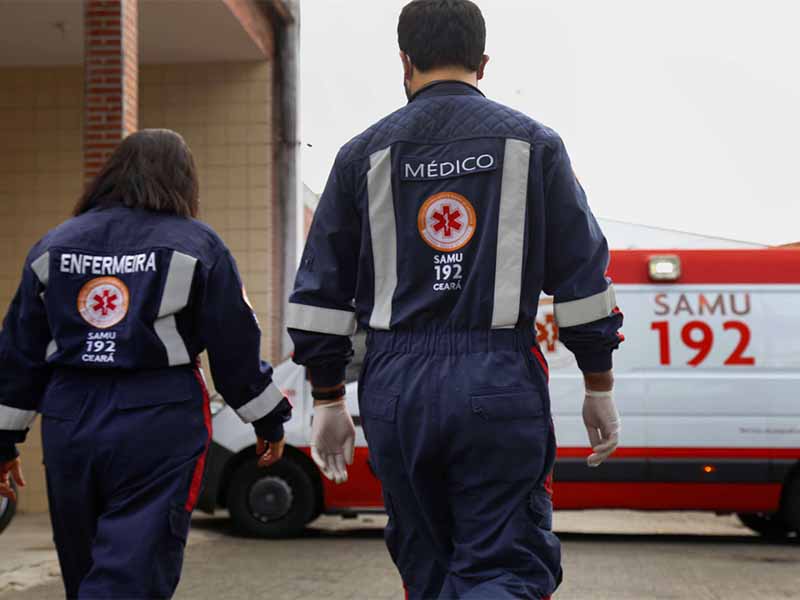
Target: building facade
77,76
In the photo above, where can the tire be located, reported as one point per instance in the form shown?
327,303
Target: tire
7,510
769,525
271,503
790,503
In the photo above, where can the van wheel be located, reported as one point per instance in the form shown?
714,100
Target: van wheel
770,525
271,503
790,505
7,510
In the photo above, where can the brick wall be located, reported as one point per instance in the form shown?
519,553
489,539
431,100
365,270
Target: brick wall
111,63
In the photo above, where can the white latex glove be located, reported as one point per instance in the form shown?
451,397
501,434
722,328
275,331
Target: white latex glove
602,422
333,438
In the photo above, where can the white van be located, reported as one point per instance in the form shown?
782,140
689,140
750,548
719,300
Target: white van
708,385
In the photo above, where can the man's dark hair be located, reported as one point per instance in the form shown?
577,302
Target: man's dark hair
442,33
151,169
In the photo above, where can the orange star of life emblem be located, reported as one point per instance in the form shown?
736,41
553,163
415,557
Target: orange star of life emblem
447,221
103,302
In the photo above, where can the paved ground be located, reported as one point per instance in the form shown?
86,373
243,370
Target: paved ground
608,555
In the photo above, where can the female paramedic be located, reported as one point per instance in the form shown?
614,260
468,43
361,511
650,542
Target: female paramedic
102,338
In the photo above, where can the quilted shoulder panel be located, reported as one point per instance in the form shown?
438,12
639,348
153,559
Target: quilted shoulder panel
446,118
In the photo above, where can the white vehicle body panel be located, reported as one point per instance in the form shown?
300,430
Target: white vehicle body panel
709,405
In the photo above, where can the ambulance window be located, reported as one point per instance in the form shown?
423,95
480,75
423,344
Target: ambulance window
359,349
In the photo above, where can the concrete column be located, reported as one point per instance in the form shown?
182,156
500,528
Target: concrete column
111,76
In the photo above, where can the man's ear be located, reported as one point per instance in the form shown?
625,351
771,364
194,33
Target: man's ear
482,66
408,68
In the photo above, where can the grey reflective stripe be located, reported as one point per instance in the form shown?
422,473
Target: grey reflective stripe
41,266
511,234
167,331
174,299
261,405
320,320
15,419
178,284
383,231
585,310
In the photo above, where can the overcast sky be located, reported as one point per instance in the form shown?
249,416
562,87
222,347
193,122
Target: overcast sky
681,114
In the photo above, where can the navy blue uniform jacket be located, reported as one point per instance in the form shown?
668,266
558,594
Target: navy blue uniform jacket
131,290
453,213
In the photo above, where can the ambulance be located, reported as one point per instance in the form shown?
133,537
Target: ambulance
707,383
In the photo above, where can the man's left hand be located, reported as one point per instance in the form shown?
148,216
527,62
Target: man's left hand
602,424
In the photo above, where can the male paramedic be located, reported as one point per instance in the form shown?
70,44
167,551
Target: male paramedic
437,231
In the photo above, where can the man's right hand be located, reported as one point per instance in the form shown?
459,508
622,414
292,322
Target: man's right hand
333,437
8,470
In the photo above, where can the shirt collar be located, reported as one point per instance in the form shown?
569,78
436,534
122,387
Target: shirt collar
446,87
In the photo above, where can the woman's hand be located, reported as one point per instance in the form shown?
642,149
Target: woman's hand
270,452
8,470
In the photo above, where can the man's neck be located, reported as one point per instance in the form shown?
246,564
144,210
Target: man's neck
421,79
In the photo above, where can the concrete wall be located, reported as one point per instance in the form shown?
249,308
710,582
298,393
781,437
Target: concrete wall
224,111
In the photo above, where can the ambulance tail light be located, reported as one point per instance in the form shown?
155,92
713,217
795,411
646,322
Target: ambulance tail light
665,268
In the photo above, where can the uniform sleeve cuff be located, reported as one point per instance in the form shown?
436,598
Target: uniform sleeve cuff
8,453
595,363
11,437
327,376
270,427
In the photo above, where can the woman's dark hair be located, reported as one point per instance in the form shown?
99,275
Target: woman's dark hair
151,169
442,33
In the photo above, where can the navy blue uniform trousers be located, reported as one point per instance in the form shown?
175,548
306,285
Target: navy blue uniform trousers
460,435
124,455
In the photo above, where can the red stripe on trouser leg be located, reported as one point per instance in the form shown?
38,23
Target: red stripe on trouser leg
199,468
538,354
548,481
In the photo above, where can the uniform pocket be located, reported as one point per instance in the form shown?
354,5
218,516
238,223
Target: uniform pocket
155,388
167,571
64,398
507,434
379,404
541,509
507,405
179,523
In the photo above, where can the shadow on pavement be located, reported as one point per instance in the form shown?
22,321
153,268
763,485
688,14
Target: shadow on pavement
364,533
213,524
677,538
224,526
